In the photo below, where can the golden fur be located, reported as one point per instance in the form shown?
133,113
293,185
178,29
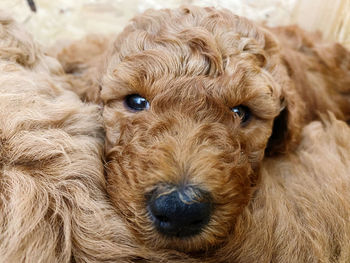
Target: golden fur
53,201
193,65
51,177
280,191
280,184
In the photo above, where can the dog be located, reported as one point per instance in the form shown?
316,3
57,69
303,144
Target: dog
225,141
215,141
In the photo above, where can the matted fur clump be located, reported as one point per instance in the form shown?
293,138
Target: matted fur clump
209,144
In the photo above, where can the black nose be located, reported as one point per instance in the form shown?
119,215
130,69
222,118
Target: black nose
179,212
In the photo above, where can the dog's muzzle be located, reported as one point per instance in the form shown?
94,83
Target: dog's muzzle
179,211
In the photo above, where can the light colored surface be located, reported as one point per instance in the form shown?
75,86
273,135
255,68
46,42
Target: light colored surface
331,17
72,19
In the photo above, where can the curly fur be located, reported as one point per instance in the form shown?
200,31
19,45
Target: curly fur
271,186
50,156
53,201
280,183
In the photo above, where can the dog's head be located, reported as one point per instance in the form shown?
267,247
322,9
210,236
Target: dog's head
191,97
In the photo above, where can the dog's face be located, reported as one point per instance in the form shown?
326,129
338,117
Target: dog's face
189,106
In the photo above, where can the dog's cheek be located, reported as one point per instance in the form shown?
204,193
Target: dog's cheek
129,180
231,193
112,121
227,176
118,188
129,172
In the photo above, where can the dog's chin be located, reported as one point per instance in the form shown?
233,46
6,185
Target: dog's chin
208,240
198,243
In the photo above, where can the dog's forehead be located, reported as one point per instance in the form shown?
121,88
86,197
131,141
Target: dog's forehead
202,44
189,51
155,72
203,30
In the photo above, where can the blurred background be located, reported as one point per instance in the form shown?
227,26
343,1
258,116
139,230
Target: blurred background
53,20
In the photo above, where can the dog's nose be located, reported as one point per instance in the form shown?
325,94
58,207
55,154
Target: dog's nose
180,212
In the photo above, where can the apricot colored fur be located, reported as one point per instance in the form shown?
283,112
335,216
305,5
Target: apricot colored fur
280,190
280,183
53,201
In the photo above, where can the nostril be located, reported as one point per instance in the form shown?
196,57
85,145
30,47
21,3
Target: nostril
180,212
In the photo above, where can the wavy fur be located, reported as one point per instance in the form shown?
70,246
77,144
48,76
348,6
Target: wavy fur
280,184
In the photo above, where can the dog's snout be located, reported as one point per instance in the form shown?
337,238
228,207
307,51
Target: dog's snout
180,212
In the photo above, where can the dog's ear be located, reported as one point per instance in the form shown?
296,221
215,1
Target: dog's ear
317,80
288,124
285,70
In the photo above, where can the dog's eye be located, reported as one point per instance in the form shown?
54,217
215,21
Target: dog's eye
136,103
242,112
